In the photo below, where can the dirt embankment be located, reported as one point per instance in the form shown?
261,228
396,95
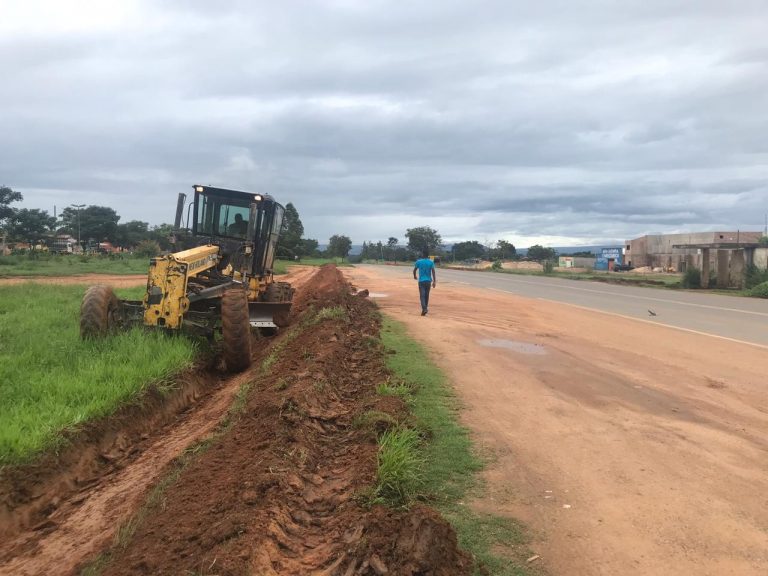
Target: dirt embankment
279,493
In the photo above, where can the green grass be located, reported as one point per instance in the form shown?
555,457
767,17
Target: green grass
46,264
51,380
450,464
400,473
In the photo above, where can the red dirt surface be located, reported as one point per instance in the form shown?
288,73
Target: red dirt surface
277,493
628,448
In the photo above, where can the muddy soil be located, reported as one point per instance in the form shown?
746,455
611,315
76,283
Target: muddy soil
628,448
281,492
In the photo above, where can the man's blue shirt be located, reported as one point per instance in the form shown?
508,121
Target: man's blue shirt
425,266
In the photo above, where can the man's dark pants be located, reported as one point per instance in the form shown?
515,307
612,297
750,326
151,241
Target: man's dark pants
424,294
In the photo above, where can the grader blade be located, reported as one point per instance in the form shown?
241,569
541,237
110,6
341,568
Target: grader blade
268,314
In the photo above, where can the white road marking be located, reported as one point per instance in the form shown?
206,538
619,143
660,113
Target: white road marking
657,323
723,308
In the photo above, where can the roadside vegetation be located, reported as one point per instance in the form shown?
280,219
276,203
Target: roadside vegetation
48,264
435,461
53,381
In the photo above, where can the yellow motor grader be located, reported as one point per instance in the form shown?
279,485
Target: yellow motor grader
220,281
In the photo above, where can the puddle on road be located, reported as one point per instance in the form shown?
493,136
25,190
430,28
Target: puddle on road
377,295
515,346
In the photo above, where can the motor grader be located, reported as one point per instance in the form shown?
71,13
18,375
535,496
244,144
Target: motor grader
220,281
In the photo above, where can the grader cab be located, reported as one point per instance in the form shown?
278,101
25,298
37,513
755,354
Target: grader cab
221,281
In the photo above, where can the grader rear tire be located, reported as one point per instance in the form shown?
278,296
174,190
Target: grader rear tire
236,330
100,312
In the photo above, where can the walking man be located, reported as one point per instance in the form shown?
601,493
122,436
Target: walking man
427,276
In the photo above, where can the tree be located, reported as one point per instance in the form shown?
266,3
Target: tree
763,241
131,233
541,254
392,248
162,235
423,238
468,250
7,196
309,247
97,223
291,233
339,245
31,225
504,250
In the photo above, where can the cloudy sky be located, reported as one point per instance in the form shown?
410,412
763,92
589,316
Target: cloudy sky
555,122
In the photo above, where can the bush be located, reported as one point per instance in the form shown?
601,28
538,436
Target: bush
148,248
754,276
549,267
759,291
692,278
496,266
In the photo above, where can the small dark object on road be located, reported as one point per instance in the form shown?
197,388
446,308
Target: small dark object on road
651,313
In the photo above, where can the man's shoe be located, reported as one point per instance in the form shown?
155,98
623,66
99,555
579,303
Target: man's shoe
423,312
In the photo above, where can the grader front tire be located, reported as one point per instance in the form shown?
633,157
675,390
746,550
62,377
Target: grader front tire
100,312
236,330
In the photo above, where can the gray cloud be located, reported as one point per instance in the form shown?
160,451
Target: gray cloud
550,121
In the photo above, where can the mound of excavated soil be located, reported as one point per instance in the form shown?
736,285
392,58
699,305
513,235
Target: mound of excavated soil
280,492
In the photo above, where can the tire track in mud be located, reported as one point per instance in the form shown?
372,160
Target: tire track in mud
50,528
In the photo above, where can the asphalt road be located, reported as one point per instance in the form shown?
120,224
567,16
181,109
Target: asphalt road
730,317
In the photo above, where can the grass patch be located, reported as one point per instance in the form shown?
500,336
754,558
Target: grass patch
46,264
449,462
400,388
51,380
400,473
330,313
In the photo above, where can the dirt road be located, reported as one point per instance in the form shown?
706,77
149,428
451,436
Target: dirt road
628,448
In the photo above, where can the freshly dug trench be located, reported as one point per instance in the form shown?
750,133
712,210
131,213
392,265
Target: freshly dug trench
283,491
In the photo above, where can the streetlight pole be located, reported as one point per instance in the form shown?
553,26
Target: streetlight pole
79,207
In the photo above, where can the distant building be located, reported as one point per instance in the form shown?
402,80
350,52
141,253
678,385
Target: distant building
725,254
609,257
576,262
658,250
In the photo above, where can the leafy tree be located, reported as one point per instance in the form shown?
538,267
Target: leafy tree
162,235
291,233
467,250
148,248
98,223
131,233
339,245
7,196
423,238
309,247
763,241
504,250
541,254
392,248
31,225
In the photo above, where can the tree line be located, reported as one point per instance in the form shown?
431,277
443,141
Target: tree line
93,224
